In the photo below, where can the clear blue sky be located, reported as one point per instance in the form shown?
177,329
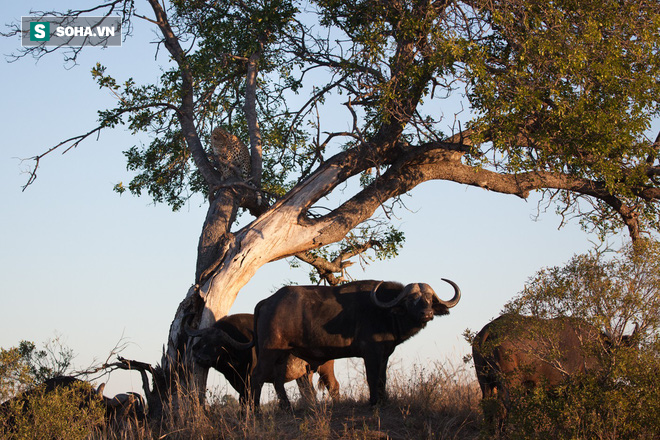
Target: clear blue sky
84,263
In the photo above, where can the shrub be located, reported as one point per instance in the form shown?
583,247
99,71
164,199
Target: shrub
24,366
66,413
623,400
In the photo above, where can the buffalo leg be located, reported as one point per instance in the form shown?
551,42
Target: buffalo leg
328,379
257,380
278,360
306,388
243,395
256,393
376,369
271,365
278,383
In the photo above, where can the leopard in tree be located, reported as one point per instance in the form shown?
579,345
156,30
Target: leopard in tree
231,155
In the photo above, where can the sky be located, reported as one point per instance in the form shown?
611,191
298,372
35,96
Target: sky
95,269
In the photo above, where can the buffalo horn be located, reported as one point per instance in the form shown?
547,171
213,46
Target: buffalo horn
233,342
386,305
191,332
457,295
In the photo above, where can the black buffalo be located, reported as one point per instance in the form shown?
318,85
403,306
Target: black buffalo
125,406
228,347
515,352
366,319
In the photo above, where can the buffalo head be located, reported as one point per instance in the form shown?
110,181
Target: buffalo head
215,344
419,301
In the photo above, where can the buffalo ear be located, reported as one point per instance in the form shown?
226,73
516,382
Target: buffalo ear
439,309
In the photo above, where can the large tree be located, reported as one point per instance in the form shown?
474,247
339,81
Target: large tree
558,97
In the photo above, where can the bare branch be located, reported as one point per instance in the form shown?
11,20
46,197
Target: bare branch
73,142
326,269
314,99
463,137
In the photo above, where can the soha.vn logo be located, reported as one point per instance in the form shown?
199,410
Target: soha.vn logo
40,31
71,31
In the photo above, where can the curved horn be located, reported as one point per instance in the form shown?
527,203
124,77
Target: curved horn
192,332
233,342
187,329
395,301
457,295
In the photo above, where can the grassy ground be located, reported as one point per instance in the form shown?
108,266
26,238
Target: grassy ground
430,403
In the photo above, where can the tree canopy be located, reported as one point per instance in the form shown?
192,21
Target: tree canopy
561,96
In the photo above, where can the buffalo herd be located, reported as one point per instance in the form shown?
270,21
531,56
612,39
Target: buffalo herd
301,330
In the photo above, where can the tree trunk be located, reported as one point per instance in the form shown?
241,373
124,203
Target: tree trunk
278,233
213,300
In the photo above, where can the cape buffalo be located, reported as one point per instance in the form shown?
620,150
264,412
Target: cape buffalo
515,351
228,347
125,406
366,319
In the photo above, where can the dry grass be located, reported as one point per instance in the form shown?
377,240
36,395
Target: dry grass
436,402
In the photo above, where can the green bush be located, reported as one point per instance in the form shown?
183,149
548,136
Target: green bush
28,411
622,406
622,401
66,413
24,366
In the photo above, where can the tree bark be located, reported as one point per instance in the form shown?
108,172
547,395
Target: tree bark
216,237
